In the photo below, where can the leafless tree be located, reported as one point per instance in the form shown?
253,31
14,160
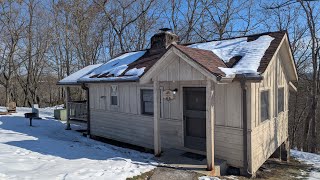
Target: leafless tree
12,26
305,43
120,17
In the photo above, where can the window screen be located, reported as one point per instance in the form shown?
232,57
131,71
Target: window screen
280,100
114,95
264,105
147,101
114,100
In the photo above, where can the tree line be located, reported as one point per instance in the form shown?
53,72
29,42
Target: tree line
42,41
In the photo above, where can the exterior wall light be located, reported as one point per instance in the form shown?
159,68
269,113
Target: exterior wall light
175,91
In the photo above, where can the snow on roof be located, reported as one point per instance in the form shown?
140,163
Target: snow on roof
251,53
244,53
73,78
135,72
113,69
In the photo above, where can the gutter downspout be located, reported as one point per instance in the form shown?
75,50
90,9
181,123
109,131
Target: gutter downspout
245,123
88,107
243,78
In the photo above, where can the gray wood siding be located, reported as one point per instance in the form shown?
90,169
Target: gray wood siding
129,128
179,70
228,124
135,129
125,121
229,145
268,135
228,105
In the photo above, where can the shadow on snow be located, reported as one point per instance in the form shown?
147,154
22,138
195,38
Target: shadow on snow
49,137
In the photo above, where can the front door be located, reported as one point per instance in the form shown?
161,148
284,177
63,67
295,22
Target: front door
194,115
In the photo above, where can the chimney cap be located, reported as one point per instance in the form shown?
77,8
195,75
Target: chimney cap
165,29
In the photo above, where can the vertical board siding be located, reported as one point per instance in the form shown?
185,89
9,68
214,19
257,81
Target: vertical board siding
228,105
179,70
126,123
133,99
267,136
171,133
220,101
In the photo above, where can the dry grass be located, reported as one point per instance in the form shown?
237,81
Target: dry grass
271,170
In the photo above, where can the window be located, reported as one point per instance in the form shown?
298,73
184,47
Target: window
147,101
114,95
264,105
280,99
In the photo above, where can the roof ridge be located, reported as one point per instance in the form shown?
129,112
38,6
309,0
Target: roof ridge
186,44
235,37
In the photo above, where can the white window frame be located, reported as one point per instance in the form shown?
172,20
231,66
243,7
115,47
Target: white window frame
269,104
141,101
114,91
284,99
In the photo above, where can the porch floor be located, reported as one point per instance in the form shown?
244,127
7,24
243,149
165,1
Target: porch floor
189,161
81,124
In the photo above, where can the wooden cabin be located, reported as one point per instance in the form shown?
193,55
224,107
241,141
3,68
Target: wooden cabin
225,99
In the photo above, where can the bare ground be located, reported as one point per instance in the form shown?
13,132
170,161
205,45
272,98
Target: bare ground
271,170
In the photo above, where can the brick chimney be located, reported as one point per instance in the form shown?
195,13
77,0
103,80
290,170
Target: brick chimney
163,39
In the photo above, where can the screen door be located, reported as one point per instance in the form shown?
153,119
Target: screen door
194,115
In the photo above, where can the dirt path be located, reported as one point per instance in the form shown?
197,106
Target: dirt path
271,170
275,170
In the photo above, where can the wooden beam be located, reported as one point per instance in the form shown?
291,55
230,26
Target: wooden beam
210,125
292,87
156,106
67,99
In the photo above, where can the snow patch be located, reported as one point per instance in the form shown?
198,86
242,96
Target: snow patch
216,178
48,151
251,52
135,72
208,178
308,158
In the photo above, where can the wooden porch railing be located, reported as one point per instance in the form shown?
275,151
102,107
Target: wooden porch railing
78,110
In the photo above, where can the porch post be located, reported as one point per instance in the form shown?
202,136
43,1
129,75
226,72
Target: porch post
210,125
67,99
156,112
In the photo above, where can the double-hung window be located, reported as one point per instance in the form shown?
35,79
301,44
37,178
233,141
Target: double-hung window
280,99
147,101
264,105
114,95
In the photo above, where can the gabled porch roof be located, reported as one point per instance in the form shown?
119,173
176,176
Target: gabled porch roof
204,61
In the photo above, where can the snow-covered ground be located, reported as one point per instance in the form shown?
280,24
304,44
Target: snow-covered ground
309,158
47,151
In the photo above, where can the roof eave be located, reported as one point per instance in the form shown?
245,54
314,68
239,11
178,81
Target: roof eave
68,84
248,77
292,87
108,81
245,76
296,77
